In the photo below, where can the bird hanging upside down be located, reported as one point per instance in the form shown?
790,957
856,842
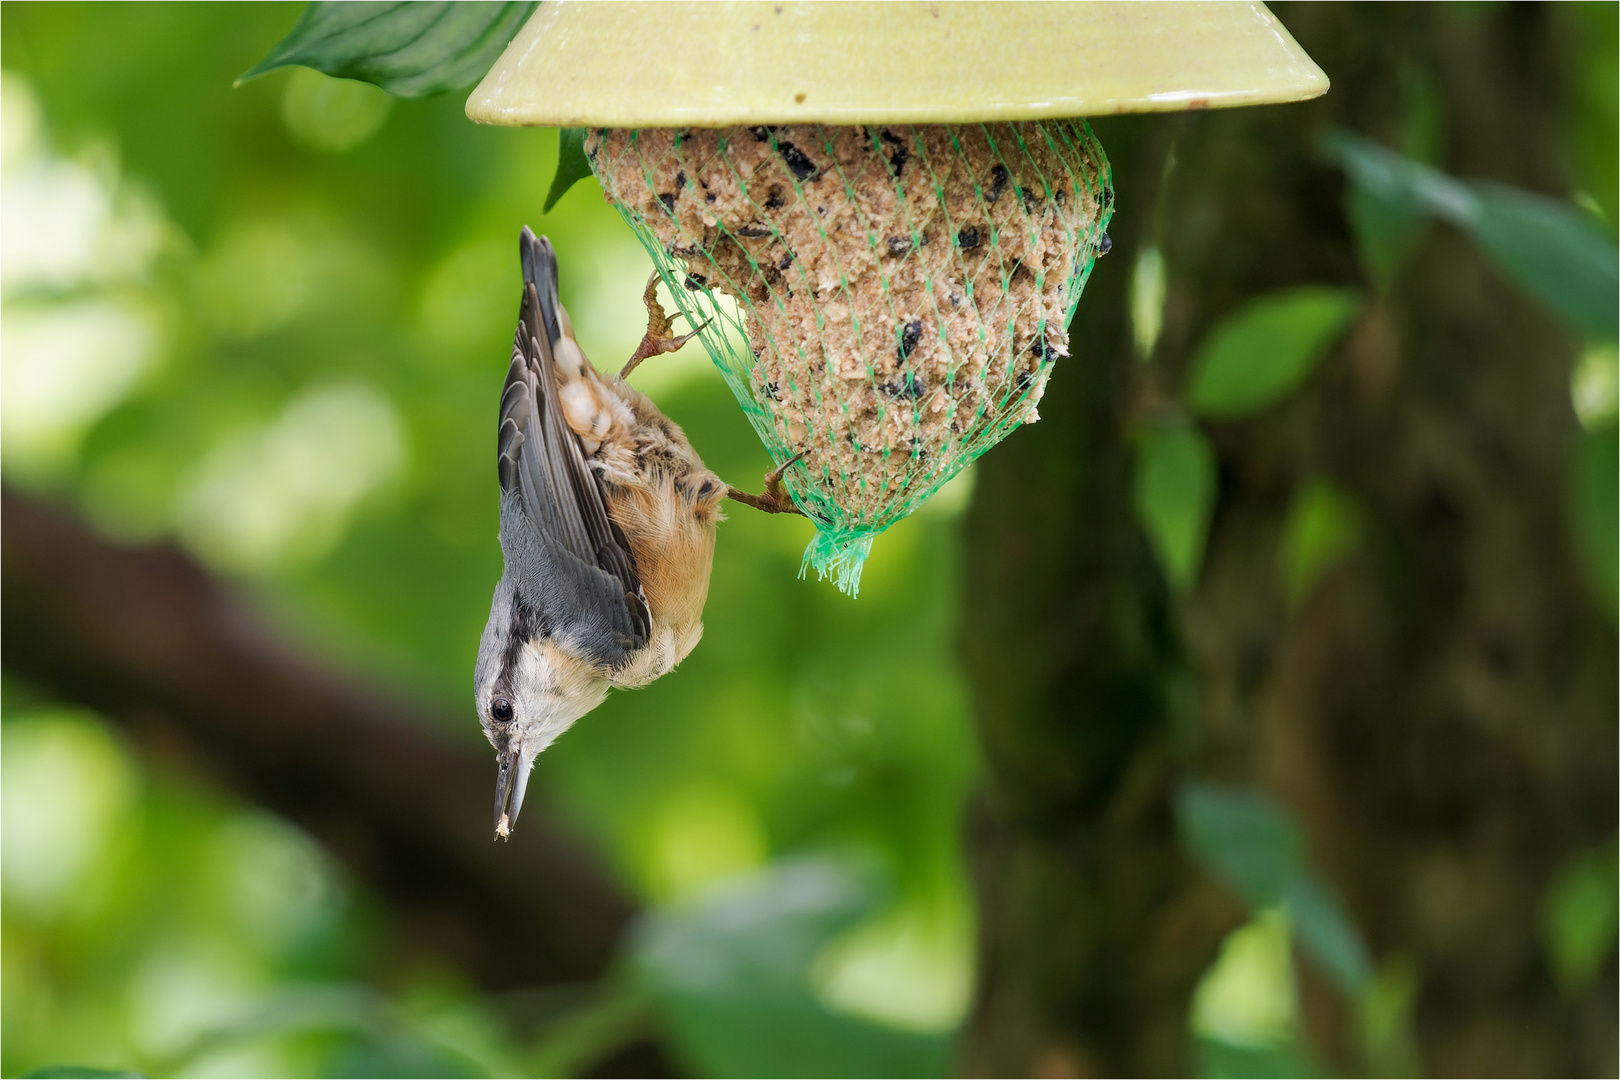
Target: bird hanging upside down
608,524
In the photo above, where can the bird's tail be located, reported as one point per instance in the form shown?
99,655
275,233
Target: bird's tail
559,356
540,270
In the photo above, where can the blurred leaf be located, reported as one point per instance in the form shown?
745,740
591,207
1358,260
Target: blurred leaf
410,49
1266,348
396,1057
731,977
1248,996
59,763
1595,119
1548,246
326,1008
1387,232
1594,386
910,968
63,1072
1597,511
1578,917
1147,300
332,115
1323,526
1223,1059
572,165
1552,250
1257,848
1396,180
569,1047
704,834
1243,837
1385,1011
1325,931
1423,119
1174,493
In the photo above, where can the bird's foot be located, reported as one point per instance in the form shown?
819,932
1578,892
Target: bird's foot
775,499
658,338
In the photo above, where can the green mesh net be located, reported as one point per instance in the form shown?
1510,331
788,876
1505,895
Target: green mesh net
886,301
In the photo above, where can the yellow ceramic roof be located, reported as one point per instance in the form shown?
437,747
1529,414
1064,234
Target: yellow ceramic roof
595,63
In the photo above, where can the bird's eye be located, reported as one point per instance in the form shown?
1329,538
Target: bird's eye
501,710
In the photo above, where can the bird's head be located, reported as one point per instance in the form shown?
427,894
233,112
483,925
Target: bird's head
528,692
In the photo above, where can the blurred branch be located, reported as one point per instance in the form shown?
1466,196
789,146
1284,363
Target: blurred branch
148,637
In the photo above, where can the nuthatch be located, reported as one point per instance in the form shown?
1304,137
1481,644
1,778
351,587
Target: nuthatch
608,522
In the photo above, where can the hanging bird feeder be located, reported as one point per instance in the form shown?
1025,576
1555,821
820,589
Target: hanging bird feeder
882,214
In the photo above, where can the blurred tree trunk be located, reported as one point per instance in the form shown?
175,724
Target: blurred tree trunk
1094,927
149,638
1440,711
152,640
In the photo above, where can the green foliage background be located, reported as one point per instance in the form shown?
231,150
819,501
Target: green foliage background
310,235
280,338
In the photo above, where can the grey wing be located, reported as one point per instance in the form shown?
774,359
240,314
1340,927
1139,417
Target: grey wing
569,563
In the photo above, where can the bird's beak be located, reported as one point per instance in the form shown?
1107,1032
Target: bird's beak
510,784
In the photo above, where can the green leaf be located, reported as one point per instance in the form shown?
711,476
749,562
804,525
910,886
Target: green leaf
332,115
1386,1009
1223,1059
411,50
1147,300
1257,848
1325,931
1549,247
572,165
1597,512
1553,252
65,1072
1396,180
1387,232
731,976
1173,497
1594,386
1247,996
1242,837
615,1016
1593,82
1266,348
1323,527
1578,919
1388,226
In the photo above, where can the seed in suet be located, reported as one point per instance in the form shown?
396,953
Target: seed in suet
909,338
899,156
998,182
796,160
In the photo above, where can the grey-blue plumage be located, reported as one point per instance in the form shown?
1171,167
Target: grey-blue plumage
607,523
567,565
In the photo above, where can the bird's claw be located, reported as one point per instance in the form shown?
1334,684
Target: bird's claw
657,339
775,499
